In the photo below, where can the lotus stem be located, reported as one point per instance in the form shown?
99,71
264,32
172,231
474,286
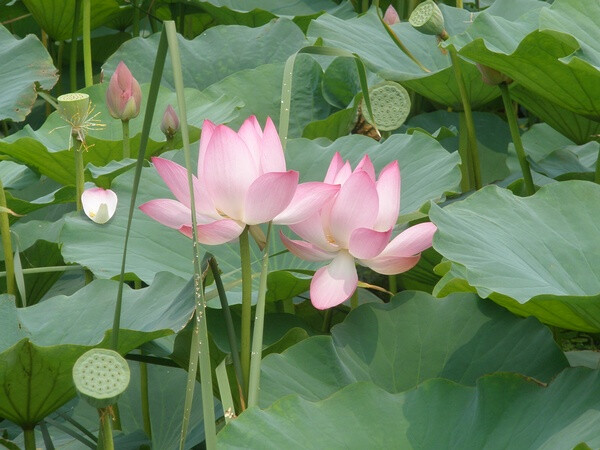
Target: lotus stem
7,245
473,154
74,35
87,42
327,317
126,143
246,305
79,176
393,284
136,18
105,441
459,4
354,300
29,438
516,137
145,399
259,325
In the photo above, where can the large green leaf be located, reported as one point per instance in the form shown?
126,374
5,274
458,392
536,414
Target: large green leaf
56,17
26,62
47,150
215,54
428,171
501,411
39,344
411,339
537,256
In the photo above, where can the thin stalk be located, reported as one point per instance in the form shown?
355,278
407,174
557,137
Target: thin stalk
364,6
126,144
472,139
87,42
259,325
79,176
246,306
73,57
5,129
393,284
201,327
7,245
145,399
467,180
59,63
516,138
327,317
46,436
354,300
106,443
235,355
136,18
29,438
181,16
459,4
288,306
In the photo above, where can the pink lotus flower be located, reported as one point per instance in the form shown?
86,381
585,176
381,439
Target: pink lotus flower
99,204
391,16
357,224
242,180
124,96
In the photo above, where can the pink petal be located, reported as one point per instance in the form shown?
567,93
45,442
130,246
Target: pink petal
271,151
388,190
229,170
355,206
207,130
411,241
306,250
215,233
269,195
334,283
312,231
309,197
343,174
391,16
366,165
366,243
93,200
334,167
251,134
391,265
168,212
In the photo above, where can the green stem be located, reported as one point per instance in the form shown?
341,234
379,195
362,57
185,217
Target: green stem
126,143
136,18
459,4
145,399
246,306
364,7
5,129
47,269
516,137
233,346
29,438
87,42
106,443
472,139
327,317
259,324
74,36
7,245
393,284
467,181
354,300
288,306
59,63
79,176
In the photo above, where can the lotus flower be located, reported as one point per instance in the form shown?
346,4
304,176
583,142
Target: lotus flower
391,16
356,225
124,96
170,122
242,180
99,204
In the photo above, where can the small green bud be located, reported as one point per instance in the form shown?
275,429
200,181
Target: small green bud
428,19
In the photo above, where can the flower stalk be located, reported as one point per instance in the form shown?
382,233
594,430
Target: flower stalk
126,143
87,42
246,306
7,244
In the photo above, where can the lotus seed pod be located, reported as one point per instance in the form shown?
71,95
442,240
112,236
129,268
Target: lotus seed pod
390,104
100,377
428,19
74,108
492,76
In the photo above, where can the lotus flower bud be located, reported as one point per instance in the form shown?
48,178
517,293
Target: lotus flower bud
99,204
492,76
124,96
428,19
74,108
170,122
391,16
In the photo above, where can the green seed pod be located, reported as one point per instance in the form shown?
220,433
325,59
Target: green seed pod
428,19
74,108
390,103
101,376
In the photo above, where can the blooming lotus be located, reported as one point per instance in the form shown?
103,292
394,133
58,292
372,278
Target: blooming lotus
241,180
99,204
124,96
356,225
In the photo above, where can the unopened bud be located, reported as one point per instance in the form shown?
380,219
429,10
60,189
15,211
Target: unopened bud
170,122
124,96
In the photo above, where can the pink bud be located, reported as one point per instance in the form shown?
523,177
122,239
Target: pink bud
391,16
124,96
170,122
491,76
